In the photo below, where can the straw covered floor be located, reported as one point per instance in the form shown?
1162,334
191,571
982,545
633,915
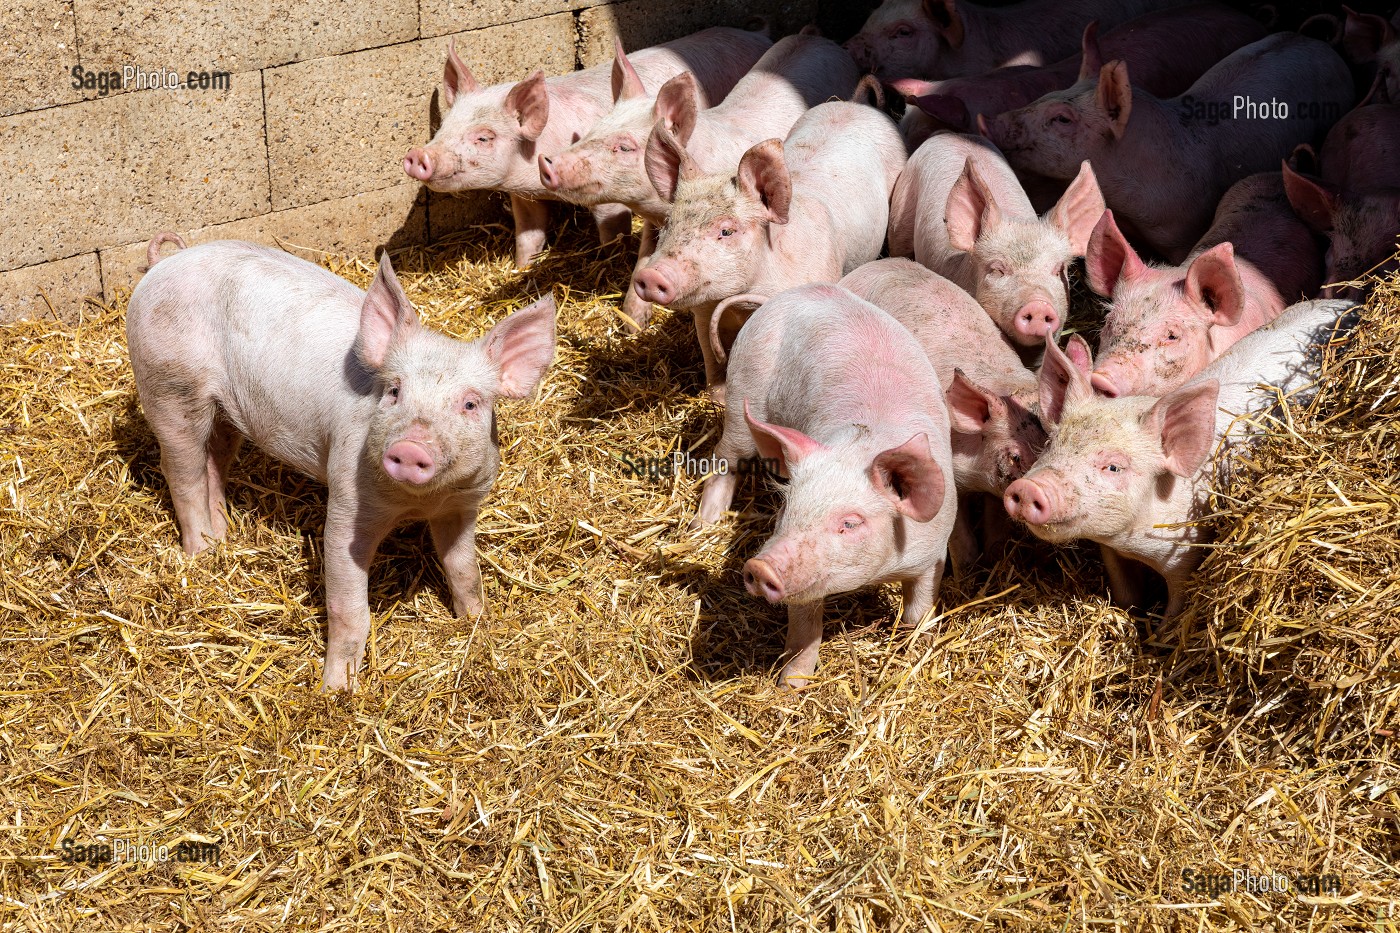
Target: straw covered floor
606,749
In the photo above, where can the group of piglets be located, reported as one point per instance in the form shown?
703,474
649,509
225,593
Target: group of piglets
919,406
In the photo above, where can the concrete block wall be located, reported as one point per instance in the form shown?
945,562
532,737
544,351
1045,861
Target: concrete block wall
301,147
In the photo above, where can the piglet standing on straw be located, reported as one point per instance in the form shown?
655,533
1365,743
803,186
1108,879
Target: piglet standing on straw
231,340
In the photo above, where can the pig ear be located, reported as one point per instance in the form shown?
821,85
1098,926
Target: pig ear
947,109
908,476
676,105
763,174
1311,201
386,311
1091,57
1115,95
970,406
1078,352
625,83
1079,209
1364,34
1109,257
1186,421
666,161
522,346
529,102
970,210
1062,383
946,17
1213,280
786,445
456,76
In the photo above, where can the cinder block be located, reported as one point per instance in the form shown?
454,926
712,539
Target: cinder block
36,51
123,168
354,226
440,17
64,282
340,125
235,37
645,22
452,213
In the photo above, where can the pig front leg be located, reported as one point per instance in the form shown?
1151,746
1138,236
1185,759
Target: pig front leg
455,537
350,543
804,641
919,594
531,221
636,309
612,220
962,543
1126,583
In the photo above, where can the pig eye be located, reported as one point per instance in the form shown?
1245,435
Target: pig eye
726,230
996,270
469,405
485,137
394,392
626,147
1015,459
1112,468
902,32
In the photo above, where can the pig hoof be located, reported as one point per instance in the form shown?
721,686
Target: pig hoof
794,679
716,392
470,608
698,523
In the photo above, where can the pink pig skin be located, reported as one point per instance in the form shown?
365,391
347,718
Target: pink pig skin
991,396
1167,323
1164,164
1356,204
809,209
959,210
491,137
608,164
835,390
951,38
1128,472
1166,51
231,340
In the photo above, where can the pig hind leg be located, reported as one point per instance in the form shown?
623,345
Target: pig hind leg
183,422
531,222
638,310
735,445
223,444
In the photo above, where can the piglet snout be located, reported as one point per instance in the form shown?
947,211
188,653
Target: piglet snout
418,164
549,176
1030,502
409,462
1103,384
760,579
1036,319
655,286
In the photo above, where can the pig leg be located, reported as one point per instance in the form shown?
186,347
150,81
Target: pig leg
735,445
613,221
455,537
919,593
350,542
182,425
223,445
1176,596
632,304
962,544
1125,579
804,640
531,221
714,372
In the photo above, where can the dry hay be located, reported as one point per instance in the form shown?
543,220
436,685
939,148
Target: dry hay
606,750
